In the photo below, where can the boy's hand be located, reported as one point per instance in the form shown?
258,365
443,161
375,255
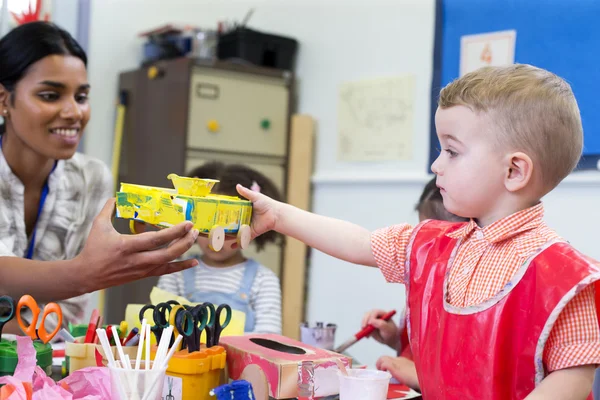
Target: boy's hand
401,368
386,332
265,211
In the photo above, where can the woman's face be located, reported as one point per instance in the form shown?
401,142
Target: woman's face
49,108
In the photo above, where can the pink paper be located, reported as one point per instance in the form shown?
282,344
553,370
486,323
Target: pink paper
92,381
19,393
85,384
27,359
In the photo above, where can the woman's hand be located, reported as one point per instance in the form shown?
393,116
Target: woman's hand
111,259
265,211
386,332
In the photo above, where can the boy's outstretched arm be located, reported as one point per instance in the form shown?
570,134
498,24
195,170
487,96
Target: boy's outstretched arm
339,239
569,383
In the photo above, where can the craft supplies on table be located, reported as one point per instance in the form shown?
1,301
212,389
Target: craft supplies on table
191,322
270,363
9,355
157,296
196,369
236,390
194,375
33,329
139,383
30,381
360,384
81,355
137,380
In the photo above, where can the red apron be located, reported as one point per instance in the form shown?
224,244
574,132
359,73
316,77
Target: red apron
494,350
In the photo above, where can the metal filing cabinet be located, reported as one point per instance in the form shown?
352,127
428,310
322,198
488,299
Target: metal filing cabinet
180,114
237,112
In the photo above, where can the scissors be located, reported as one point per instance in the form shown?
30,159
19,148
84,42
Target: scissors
7,311
214,327
160,315
189,322
30,329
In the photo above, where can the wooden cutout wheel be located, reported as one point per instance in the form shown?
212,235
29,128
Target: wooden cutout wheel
257,378
243,236
216,238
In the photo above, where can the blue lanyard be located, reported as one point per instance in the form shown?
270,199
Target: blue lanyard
45,191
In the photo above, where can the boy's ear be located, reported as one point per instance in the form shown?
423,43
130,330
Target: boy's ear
520,171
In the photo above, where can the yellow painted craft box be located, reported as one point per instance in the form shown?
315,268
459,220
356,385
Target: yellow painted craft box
191,200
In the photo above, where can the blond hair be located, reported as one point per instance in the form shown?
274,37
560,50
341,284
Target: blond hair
533,110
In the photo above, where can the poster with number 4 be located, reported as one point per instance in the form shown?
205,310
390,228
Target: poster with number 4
487,49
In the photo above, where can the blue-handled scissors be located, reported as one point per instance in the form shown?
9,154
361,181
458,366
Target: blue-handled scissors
214,327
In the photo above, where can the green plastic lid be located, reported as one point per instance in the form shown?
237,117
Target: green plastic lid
78,330
9,359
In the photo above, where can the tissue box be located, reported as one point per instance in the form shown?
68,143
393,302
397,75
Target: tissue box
277,357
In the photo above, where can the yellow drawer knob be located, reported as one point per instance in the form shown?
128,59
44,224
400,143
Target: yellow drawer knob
213,125
153,72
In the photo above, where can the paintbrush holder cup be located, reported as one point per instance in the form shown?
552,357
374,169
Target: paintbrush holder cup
139,384
361,384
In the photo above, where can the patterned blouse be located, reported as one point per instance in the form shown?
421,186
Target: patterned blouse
78,189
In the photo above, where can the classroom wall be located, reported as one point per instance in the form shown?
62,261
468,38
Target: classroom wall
340,40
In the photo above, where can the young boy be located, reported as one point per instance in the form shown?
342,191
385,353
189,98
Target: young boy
500,307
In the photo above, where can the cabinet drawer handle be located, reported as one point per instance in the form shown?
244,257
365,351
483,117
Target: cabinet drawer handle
207,91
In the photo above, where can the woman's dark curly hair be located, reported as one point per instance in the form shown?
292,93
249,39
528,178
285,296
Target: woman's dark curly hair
230,175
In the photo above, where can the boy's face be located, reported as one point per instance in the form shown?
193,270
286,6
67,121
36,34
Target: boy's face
470,172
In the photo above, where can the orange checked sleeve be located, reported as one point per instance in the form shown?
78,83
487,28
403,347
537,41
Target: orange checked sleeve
575,337
389,247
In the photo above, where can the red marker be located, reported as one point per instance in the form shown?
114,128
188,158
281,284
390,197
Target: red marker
366,331
91,331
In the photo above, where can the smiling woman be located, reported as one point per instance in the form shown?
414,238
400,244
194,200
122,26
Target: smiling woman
49,194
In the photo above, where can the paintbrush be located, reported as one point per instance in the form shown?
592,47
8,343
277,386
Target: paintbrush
366,331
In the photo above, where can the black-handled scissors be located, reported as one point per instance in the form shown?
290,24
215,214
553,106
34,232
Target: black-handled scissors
160,315
198,315
7,311
214,327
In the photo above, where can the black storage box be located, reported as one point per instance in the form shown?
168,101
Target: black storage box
258,48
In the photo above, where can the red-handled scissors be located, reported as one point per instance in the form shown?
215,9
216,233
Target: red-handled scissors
31,329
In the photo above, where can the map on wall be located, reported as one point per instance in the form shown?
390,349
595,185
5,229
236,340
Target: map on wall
375,119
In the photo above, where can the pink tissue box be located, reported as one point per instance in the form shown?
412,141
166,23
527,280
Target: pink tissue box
273,359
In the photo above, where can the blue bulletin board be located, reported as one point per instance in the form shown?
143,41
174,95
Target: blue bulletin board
560,36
